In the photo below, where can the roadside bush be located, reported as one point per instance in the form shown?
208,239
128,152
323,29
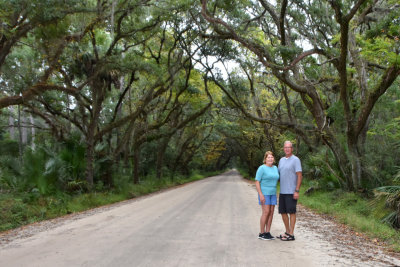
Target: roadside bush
320,168
352,209
387,202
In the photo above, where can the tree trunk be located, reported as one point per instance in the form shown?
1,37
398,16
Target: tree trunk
363,136
160,156
126,153
89,162
355,160
24,130
340,157
33,132
11,123
136,159
119,110
20,136
97,98
108,171
180,155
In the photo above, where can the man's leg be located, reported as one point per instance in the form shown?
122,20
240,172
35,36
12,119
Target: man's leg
285,219
292,223
283,212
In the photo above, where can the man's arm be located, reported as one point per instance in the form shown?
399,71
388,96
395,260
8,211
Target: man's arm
299,179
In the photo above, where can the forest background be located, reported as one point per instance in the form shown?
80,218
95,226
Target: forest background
103,100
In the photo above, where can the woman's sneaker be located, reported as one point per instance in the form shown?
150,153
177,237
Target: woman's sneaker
269,236
262,236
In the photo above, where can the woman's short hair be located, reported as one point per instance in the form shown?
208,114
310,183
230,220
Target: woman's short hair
266,155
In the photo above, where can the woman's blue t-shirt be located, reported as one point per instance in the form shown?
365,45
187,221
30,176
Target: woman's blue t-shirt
268,178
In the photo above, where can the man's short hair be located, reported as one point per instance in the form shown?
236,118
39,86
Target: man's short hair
288,142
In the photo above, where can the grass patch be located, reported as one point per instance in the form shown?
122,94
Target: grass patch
245,174
18,209
353,210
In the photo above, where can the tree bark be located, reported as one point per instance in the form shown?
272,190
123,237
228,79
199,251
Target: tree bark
24,129
97,90
136,159
33,132
11,123
89,157
20,144
163,144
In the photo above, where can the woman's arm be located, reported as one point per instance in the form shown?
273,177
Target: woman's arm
262,198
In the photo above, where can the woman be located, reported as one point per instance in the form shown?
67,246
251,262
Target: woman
267,177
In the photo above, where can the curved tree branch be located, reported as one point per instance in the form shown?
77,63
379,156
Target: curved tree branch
33,91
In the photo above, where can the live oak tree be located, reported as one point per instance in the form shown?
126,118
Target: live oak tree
322,50
130,82
137,80
25,69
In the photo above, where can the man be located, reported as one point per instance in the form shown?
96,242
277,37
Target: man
290,173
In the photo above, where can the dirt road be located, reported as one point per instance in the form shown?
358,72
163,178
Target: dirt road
213,222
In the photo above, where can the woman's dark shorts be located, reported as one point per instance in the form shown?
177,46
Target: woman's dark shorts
287,204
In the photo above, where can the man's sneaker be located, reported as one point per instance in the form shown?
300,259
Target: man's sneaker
269,236
263,236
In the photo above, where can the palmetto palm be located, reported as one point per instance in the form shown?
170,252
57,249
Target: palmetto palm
391,196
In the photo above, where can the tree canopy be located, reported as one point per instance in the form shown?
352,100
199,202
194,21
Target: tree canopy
111,88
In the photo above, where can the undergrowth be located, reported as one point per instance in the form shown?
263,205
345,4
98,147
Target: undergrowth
353,210
21,208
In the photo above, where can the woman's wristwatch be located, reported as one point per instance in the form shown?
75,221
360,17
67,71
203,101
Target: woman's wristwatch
297,191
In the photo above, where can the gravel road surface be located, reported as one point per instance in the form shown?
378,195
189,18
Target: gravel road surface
212,222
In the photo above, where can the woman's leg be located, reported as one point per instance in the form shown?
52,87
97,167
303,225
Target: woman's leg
264,218
269,217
